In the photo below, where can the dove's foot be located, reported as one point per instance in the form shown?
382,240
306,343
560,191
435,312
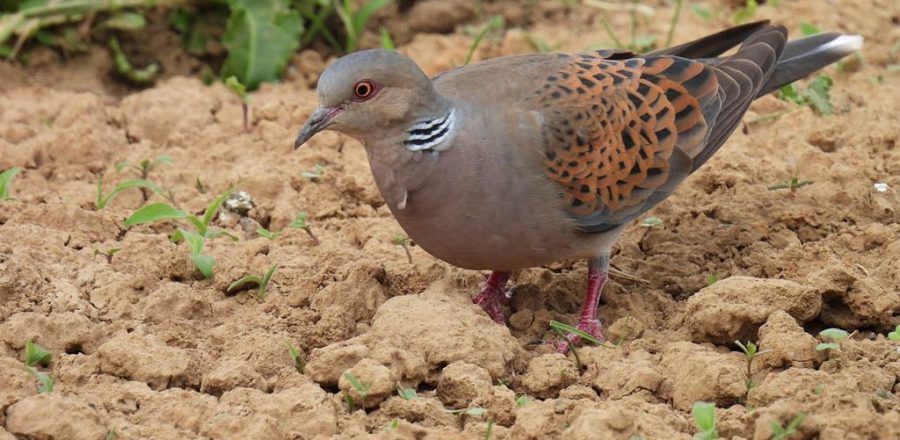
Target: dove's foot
598,273
493,297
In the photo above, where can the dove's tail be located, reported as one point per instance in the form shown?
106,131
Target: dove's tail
807,55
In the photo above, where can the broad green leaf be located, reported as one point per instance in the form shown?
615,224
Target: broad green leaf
155,212
407,393
36,355
6,181
261,37
195,241
705,418
204,264
789,93
125,21
894,335
128,184
835,334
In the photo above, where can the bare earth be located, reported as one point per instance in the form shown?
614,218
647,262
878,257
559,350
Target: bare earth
144,347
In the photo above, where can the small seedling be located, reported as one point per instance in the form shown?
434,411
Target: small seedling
297,356
783,433
650,222
523,401
819,389
833,336
127,70
817,94
103,200
241,91
301,223
262,283
403,241
265,233
36,355
395,422
355,20
45,381
144,167
711,279
705,418
794,184
894,335
496,22
6,178
315,174
195,240
111,434
361,389
108,253
407,393
751,351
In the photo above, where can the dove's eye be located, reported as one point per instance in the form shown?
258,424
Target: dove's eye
363,90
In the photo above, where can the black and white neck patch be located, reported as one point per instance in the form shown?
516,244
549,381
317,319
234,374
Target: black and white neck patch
429,134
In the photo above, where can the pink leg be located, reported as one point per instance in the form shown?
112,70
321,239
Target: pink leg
598,273
493,296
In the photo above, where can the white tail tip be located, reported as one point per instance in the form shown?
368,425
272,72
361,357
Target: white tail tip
845,43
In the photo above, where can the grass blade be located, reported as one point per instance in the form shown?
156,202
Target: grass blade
212,209
6,181
128,184
244,283
566,328
495,22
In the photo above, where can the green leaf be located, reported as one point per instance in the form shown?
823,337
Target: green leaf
705,418
125,21
808,29
155,212
364,13
701,11
194,241
261,37
566,328
249,280
6,178
212,209
818,94
386,41
300,221
523,401
789,93
267,277
127,70
834,334
102,201
45,381
204,264
239,89
299,362
407,393
265,233
360,388
894,335
216,232
747,12
827,346
36,355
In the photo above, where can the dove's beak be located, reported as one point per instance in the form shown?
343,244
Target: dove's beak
319,120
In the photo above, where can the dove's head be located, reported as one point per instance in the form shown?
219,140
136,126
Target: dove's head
368,93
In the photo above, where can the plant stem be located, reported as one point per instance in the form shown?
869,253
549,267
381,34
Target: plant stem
675,15
408,253
311,235
246,110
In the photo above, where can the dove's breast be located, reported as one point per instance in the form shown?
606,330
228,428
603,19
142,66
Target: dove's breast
484,203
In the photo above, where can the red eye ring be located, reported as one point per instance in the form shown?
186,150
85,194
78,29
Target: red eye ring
364,90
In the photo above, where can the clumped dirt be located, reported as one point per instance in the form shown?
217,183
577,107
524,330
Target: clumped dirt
143,347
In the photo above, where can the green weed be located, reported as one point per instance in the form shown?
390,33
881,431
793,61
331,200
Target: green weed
407,393
6,178
496,22
127,70
751,352
705,418
261,37
794,184
833,338
782,433
361,390
144,167
711,279
297,356
894,335
240,90
300,222
108,253
745,13
386,41
261,283
104,199
355,19
523,401
816,95
35,355
403,241
195,239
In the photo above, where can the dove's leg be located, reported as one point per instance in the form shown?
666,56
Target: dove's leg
493,296
598,273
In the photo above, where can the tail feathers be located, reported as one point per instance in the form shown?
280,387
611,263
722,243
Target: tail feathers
807,55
